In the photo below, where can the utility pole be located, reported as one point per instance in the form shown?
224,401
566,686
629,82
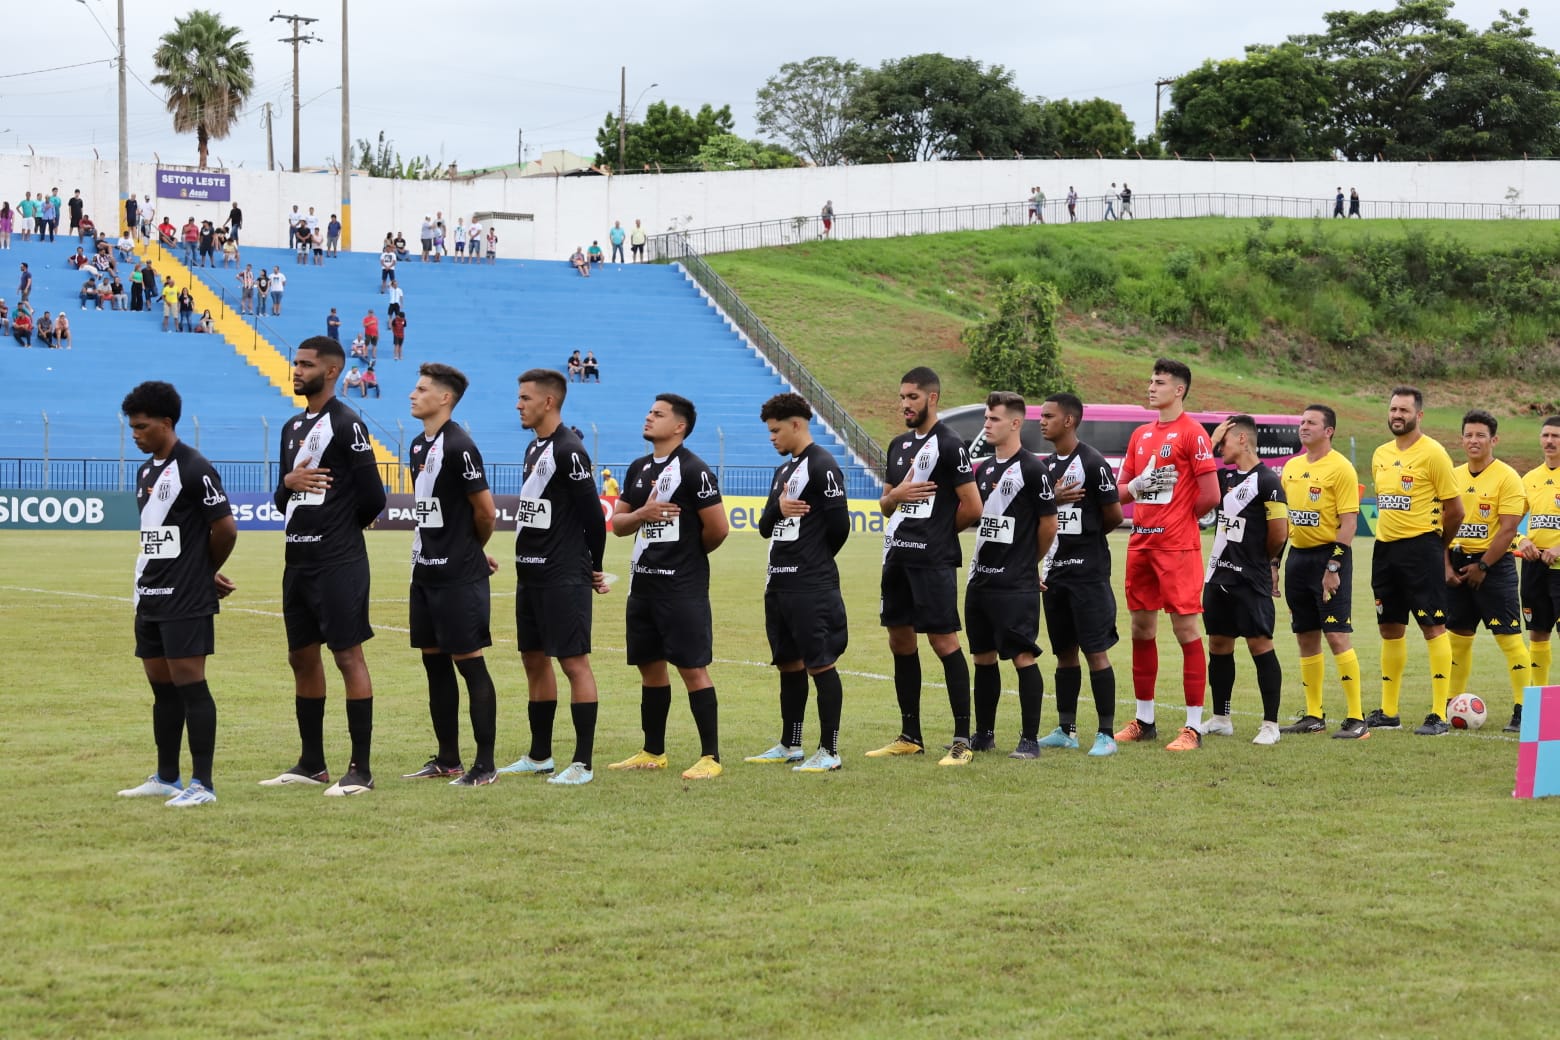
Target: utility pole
270,145
520,147
1159,88
296,39
346,141
622,115
124,122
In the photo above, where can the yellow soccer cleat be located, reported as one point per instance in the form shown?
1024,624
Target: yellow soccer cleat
705,768
897,746
959,754
641,760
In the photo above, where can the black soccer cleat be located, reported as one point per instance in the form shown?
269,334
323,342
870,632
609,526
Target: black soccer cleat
1352,729
1306,724
1379,719
1515,725
1433,726
986,741
476,776
433,769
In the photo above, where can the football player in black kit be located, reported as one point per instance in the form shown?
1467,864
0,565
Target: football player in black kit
806,522
450,597
330,490
1002,602
930,497
560,535
187,533
1080,606
671,507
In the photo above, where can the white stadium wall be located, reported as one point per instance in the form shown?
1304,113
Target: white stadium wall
569,211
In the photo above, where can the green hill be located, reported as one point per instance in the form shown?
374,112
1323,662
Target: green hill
1270,314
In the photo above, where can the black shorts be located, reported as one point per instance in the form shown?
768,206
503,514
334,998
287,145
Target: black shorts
1540,596
453,619
1303,572
1082,616
1408,577
554,619
1495,603
677,631
176,637
1003,620
806,625
327,606
924,598
1237,611
639,247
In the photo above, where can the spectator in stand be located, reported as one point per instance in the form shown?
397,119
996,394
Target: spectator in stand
148,215
24,287
332,236
278,286
78,260
580,263
359,348
592,369
398,332
166,234
303,239
235,222
400,247
387,261
230,252
294,222
46,330
48,220
574,368
208,244
149,282
105,293
75,207
593,254
246,290
59,209
62,331
170,304
353,380
5,318
371,333
186,311
191,242
460,240
262,290
132,217
7,222
397,297
317,241
86,230
636,242
103,259
616,236
474,241
206,323
425,235
492,245
88,292
439,245
120,300
333,325
22,328
370,381
126,245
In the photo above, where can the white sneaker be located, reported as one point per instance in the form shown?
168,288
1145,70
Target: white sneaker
155,787
576,774
527,764
195,794
778,753
1220,725
1267,734
820,761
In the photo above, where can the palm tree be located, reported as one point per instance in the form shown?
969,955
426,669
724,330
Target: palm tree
208,74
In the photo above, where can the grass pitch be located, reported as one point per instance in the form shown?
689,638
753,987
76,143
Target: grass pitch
1386,888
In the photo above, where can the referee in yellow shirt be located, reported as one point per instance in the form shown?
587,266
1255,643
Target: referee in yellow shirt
1323,492
1419,510
1540,552
1483,585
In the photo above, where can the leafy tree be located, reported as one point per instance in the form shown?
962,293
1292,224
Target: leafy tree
1018,349
669,135
730,152
1274,102
382,160
1084,127
208,74
930,106
805,105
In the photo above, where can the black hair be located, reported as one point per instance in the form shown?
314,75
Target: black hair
155,400
1008,401
924,378
324,347
1479,415
1409,391
1329,417
785,406
447,376
1176,370
1070,405
549,379
683,409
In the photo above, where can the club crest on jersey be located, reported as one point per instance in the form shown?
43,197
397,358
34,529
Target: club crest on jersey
297,424
416,448
314,441
1557,500
1407,482
707,487
1314,494
164,492
664,485
1484,510
1164,451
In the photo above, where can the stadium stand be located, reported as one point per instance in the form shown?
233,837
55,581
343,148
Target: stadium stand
648,325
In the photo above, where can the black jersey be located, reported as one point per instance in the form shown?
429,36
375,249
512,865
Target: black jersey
1016,493
926,534
326,528
669,557
1081,555
560,533
800,556
1240,555
446,471
179,497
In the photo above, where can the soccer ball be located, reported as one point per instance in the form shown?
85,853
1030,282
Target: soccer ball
1466,711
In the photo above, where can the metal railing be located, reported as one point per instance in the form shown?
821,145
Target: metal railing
674,245
829,411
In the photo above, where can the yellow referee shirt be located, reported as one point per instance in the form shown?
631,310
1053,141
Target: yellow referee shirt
1411,484
1542,486
1318,494
1495,492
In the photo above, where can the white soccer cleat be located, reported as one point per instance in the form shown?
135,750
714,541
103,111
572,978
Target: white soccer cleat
575,775
1220,725
1267,734
195,794
154,787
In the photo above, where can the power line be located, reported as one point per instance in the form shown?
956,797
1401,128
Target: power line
58,68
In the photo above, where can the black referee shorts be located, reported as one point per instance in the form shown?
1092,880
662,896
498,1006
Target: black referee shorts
1004,620
327,606
555,619
806,625
1082,616
923,598
1495,603
453,619
1408,577
175,637
1238,612
675,630
1308,612
1540,596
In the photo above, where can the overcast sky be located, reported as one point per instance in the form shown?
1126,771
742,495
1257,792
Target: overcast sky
458,78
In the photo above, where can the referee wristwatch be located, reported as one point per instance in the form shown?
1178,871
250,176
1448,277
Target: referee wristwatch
1479,563
1333,566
